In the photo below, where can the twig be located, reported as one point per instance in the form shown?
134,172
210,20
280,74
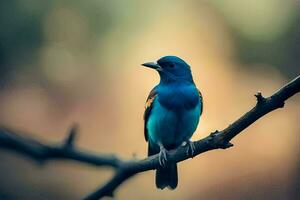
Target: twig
41,153
127,169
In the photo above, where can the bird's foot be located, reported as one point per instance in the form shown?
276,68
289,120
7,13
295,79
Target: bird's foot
162,157
190,151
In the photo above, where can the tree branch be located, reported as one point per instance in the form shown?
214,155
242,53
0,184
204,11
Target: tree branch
41,153
126,169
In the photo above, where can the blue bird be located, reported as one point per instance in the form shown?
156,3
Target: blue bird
172,113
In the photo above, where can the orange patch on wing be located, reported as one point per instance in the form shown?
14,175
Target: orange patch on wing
150,101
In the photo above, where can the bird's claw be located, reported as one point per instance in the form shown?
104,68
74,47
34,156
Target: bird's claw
190,148
162,158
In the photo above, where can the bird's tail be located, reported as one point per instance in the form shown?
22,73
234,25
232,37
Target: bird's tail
167,177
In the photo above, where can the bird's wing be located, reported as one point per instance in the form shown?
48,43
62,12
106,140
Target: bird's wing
148,107
201,101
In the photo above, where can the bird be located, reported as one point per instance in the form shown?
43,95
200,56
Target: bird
172,112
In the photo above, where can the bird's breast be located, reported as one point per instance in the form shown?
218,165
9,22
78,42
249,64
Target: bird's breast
174,117
179,97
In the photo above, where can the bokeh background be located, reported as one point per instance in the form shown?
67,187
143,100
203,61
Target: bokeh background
79,61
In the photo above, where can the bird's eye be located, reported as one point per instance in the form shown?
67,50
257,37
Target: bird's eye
171,65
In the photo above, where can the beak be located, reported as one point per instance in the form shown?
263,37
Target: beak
153,65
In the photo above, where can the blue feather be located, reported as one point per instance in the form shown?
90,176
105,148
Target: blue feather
174,116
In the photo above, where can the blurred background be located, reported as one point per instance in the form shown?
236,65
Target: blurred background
79,61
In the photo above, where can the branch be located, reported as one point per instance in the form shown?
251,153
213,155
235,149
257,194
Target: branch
41,153
126,169
216,140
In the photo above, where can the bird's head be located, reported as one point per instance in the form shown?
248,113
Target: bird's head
171,68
